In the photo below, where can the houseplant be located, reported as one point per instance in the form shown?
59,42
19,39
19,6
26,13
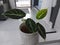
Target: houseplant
29,29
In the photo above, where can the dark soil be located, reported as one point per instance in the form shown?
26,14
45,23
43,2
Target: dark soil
24,28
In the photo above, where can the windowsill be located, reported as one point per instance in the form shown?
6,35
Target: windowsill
9,33
51,37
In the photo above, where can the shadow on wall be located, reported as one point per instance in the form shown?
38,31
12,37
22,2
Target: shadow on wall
6,4
54,13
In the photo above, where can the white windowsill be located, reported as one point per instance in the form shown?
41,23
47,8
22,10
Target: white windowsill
9,33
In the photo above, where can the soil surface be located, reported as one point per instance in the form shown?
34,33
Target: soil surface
24,28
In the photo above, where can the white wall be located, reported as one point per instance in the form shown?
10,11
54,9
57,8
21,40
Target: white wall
12,3
54,3
39,4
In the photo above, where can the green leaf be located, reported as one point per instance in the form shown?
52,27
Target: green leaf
31,25
15,13
41,14
41,30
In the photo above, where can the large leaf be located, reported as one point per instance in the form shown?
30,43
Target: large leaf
15,13
41,14
31,25
41,30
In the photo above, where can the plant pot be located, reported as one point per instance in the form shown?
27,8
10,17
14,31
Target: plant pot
29,38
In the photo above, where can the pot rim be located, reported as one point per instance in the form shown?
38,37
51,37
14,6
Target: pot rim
28,33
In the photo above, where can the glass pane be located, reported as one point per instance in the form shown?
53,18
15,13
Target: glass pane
23,3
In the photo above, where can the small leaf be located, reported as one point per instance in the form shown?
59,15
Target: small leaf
31,25
15,13
41,30
41,14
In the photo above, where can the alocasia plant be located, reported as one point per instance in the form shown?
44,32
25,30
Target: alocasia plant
30,23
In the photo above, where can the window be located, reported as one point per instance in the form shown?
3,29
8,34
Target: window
23,3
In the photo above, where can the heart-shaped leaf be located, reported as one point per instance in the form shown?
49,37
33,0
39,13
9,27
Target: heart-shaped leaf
31,25
41,30
15,13
41,14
